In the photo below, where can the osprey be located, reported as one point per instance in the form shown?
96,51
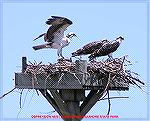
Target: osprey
107,48
89,48
55,35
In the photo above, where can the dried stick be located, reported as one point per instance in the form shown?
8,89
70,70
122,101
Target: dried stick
103,96
112,98
7,93
37,92
48,113
108,103
20,97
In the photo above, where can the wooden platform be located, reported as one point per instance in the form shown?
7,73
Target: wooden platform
72,75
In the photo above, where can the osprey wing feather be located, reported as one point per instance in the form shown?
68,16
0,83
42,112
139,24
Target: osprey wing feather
89,48
55,34
107,48
57,28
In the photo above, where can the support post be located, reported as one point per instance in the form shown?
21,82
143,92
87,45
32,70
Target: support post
72,100
24,64
67,101
50,100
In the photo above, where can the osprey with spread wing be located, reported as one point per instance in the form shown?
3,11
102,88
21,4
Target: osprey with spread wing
54,37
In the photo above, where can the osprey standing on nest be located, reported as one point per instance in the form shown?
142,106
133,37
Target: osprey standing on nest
89,48
55,35
107,49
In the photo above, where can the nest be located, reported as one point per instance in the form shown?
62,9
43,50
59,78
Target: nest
96,73
114,70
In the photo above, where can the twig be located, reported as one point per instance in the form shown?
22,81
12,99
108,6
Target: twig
103,96
108,103
7,93
46,80
122,63
106,87
22,103
48,113
20,97
31,98
37,92
136,79
112,98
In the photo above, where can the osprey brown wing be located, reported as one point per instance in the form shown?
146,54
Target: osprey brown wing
57,28
89,48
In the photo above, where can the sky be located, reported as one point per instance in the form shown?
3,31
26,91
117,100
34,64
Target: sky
22,22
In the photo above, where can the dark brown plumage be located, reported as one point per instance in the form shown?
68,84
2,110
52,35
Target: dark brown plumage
89,48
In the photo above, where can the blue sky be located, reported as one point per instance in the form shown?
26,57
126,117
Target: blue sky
22,22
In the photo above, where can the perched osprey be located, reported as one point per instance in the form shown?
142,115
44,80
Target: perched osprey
107,48
55,35
89,48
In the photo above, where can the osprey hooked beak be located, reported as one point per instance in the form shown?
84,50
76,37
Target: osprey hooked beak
119,39
72,34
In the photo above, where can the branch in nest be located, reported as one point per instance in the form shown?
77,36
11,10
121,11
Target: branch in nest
136,79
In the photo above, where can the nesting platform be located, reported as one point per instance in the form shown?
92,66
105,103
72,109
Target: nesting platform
80,74
64,83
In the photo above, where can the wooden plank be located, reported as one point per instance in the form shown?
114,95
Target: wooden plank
81,68
24,64
73,107
62,106
72,94
67,81
91,102
50,100
89,96
94,98
25,81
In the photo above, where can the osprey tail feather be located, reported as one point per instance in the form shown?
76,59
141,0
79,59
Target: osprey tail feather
74,54
40,46
77,53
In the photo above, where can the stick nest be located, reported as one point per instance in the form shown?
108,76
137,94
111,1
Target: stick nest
97,71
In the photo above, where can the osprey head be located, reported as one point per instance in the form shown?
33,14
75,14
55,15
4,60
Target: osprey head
119,39
70,35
